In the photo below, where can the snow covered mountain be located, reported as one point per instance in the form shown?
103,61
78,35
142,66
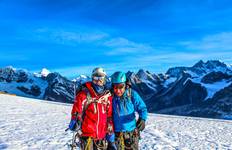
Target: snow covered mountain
42,85
187,90
195,88
200,69
21,82
27,123
43,73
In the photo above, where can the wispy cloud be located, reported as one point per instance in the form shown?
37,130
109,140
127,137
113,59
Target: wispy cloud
79,37
124,46
120,42
220,41
69,37
170,57
96,38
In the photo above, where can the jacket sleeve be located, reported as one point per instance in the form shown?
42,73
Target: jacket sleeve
79,103
109,114
140,106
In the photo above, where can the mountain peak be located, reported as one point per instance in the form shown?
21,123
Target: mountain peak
215,63
143,74
199,64
210,64
45,72
176,71
82,79
9,68
141,71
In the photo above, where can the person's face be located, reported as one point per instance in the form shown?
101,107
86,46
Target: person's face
99,81
119,89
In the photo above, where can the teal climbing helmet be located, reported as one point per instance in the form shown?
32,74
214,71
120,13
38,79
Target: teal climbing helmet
118,77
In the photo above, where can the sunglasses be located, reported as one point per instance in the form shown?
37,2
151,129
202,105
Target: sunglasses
119,86
98,78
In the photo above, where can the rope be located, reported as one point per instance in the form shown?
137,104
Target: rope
88,144
122,141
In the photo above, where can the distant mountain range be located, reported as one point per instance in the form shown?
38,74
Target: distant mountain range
203,90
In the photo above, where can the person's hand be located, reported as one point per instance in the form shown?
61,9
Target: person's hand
140,124
111,141
110,137
110,128
72,125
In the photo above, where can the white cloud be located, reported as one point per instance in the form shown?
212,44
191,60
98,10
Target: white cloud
69,37
184,57
119,42
220,41
79,37
172,57
122,45
117,45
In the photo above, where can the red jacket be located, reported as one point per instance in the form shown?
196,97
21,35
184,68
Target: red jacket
97,113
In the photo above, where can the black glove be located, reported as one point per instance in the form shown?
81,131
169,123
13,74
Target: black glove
140,124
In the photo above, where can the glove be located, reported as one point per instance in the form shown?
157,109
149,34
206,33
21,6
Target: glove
73,124
110,137
140,124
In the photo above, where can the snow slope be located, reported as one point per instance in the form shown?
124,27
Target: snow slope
34,124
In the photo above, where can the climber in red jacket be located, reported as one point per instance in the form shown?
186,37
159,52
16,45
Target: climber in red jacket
92,112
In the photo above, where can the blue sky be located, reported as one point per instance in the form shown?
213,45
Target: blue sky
74,36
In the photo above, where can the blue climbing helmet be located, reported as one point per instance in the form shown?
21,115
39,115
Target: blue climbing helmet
118,77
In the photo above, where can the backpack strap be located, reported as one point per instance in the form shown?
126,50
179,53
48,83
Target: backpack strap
103,100
86,102
130,96
89,100
129,93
